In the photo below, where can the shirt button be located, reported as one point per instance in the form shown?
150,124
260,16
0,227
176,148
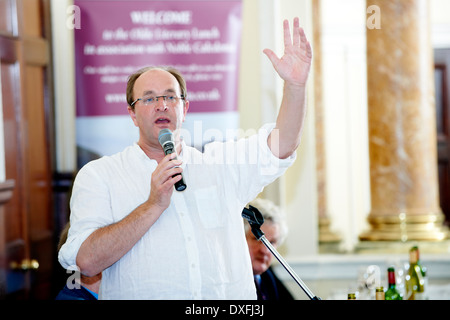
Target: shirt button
193,265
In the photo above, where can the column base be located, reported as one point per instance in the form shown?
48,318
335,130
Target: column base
403,227
325,233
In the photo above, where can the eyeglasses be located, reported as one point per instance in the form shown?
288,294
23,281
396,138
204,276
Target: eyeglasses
152,100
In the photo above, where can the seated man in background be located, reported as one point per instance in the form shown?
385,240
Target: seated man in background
268,286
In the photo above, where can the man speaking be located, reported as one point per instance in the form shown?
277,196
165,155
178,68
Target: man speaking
150,241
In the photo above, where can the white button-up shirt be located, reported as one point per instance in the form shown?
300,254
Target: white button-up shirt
197,248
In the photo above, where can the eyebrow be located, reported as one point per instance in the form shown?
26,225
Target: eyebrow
149,92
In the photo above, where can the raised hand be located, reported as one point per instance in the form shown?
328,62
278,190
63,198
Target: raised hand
293,67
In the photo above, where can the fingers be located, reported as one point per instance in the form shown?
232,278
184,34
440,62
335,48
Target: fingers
294,65
303,40
287,34
167,173
298,39
272,56
169,167
297,32
308,50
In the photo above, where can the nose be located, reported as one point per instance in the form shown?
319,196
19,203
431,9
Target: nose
161,103
262,248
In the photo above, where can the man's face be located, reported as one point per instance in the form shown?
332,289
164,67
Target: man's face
151,119
261,256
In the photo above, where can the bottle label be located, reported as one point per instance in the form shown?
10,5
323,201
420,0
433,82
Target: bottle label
421,283
379,295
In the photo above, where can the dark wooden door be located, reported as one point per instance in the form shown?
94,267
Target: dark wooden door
27,114
442,79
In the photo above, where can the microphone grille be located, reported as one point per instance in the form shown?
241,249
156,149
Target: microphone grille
165,135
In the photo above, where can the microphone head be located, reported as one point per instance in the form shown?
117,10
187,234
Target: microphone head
164,136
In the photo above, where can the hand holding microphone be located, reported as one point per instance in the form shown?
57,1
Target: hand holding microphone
165,138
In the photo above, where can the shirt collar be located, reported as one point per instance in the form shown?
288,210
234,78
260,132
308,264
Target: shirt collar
184,154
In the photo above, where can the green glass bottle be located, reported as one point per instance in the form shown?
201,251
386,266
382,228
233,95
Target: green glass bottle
392,292
415,279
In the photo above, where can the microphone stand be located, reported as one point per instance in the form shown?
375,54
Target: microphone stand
255,219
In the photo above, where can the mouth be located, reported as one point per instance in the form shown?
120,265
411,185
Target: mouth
263,259
162,120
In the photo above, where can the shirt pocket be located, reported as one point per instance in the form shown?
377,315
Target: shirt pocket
208,205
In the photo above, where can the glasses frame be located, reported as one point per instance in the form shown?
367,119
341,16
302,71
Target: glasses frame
157,99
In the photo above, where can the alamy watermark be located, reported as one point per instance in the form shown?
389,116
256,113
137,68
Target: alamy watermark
74,280
374,20
73,20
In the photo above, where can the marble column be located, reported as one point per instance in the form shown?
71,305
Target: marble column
402,125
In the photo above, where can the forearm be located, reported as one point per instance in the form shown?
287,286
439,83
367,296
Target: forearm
285,138
107,245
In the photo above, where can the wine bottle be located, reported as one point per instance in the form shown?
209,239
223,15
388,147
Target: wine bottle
415,279
379,293
392,292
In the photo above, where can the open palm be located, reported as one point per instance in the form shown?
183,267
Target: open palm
293,67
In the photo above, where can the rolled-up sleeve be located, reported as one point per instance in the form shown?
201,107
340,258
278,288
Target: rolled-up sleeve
250,165
269,164
90,209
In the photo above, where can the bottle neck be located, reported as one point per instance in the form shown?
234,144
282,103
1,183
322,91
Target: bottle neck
414,256
391,279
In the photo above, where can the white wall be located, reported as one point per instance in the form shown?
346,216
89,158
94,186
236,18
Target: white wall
440,17
300,183
64,85
345,116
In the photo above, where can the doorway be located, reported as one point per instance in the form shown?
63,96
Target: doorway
26,77
442,80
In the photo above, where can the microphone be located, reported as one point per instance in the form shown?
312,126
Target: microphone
255,219
165,139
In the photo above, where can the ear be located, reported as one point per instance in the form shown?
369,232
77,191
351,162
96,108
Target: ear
185,109
132,115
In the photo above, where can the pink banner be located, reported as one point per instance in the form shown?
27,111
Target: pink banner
200,38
